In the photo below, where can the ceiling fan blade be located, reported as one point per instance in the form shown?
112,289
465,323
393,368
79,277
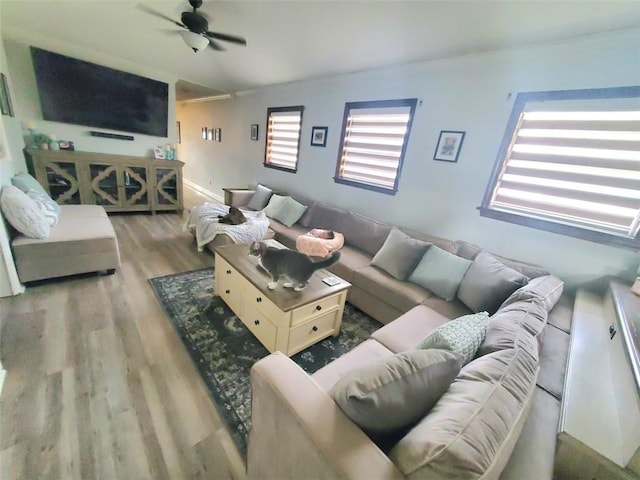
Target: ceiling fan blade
215,45
227,37
155,13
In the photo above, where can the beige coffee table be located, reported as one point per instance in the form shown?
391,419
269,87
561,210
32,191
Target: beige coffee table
282,319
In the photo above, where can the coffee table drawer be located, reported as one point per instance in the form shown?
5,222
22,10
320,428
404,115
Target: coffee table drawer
316,308
255,298
310,332
260,326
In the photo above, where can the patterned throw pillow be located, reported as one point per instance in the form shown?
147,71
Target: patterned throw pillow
49,208
23,213
26,182
462,335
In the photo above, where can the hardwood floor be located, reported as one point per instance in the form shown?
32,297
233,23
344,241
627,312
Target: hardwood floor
98,383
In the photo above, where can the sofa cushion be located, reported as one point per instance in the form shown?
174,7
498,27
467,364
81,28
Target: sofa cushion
553,360
440,272
287,235
471,251
488,283
450,309
329,218
469,427
23,213
399,254
463,335
351,259
260,198
389,395
444,243
49,208
289,211
358,356
305,220
275,202
25,182
401,295
406,331
365,233
548,288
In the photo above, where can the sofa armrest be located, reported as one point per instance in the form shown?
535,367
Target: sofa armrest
299,432
237,197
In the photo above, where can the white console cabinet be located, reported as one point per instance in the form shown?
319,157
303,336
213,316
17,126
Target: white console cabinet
599,431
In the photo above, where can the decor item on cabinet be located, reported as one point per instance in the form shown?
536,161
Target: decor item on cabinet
319,136
159,153
5,97
218,134
254,131
53,142
449,144
66,145
119,183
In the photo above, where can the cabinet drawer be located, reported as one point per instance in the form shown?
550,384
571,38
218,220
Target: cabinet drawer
316,308
255,298
308,333
260,326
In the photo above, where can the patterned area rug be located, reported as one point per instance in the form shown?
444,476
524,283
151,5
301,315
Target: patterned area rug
224,350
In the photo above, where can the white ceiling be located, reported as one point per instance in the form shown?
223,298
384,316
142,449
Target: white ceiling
294,40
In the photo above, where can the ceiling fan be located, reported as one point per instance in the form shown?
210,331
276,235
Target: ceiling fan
196,34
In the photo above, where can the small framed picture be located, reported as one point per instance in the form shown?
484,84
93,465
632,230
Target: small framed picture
209,133
319,136
205,131
254,131
5,98
218,135
178,129
449,145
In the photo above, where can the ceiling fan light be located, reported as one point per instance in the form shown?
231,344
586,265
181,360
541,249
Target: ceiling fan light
194,41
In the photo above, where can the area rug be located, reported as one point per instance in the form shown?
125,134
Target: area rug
224,350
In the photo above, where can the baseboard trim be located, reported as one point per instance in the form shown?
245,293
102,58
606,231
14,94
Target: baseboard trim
202,190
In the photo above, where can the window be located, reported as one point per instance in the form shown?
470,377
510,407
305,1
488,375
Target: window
373,143
283,138
570,163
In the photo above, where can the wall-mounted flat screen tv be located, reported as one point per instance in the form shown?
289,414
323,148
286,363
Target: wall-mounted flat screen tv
83,93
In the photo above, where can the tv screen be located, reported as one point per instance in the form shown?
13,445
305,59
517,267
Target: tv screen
83,93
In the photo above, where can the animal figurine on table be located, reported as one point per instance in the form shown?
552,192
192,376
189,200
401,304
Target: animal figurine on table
297,268
234,217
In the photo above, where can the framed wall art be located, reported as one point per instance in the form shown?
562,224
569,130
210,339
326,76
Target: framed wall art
254,131
319,136
5,98
217,136
449,144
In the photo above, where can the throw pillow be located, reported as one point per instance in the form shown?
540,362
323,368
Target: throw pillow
391,394
23,213
260,198
399,254
50,209
463,336
440,272
26,182
289,212
488,283
274,204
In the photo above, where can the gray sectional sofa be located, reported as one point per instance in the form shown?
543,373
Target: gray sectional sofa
498,419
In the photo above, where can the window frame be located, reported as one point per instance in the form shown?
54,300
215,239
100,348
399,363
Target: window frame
405,102
520,103
270,110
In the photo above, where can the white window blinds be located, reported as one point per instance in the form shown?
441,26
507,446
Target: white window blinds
373,145
283,138
575,166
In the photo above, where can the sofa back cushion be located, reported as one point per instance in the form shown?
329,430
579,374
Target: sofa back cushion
260,197
327,217
470,251
23,213
470,428
444,243
547,288
365,233
440,272
25,182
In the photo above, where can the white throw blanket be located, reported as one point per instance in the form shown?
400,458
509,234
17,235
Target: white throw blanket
204,219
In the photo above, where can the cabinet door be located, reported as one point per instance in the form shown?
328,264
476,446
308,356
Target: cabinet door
168,188
135,187
61,179
103,178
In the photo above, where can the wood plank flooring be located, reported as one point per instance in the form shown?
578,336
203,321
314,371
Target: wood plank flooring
98,384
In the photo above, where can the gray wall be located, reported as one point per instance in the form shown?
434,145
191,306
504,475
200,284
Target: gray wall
474,94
